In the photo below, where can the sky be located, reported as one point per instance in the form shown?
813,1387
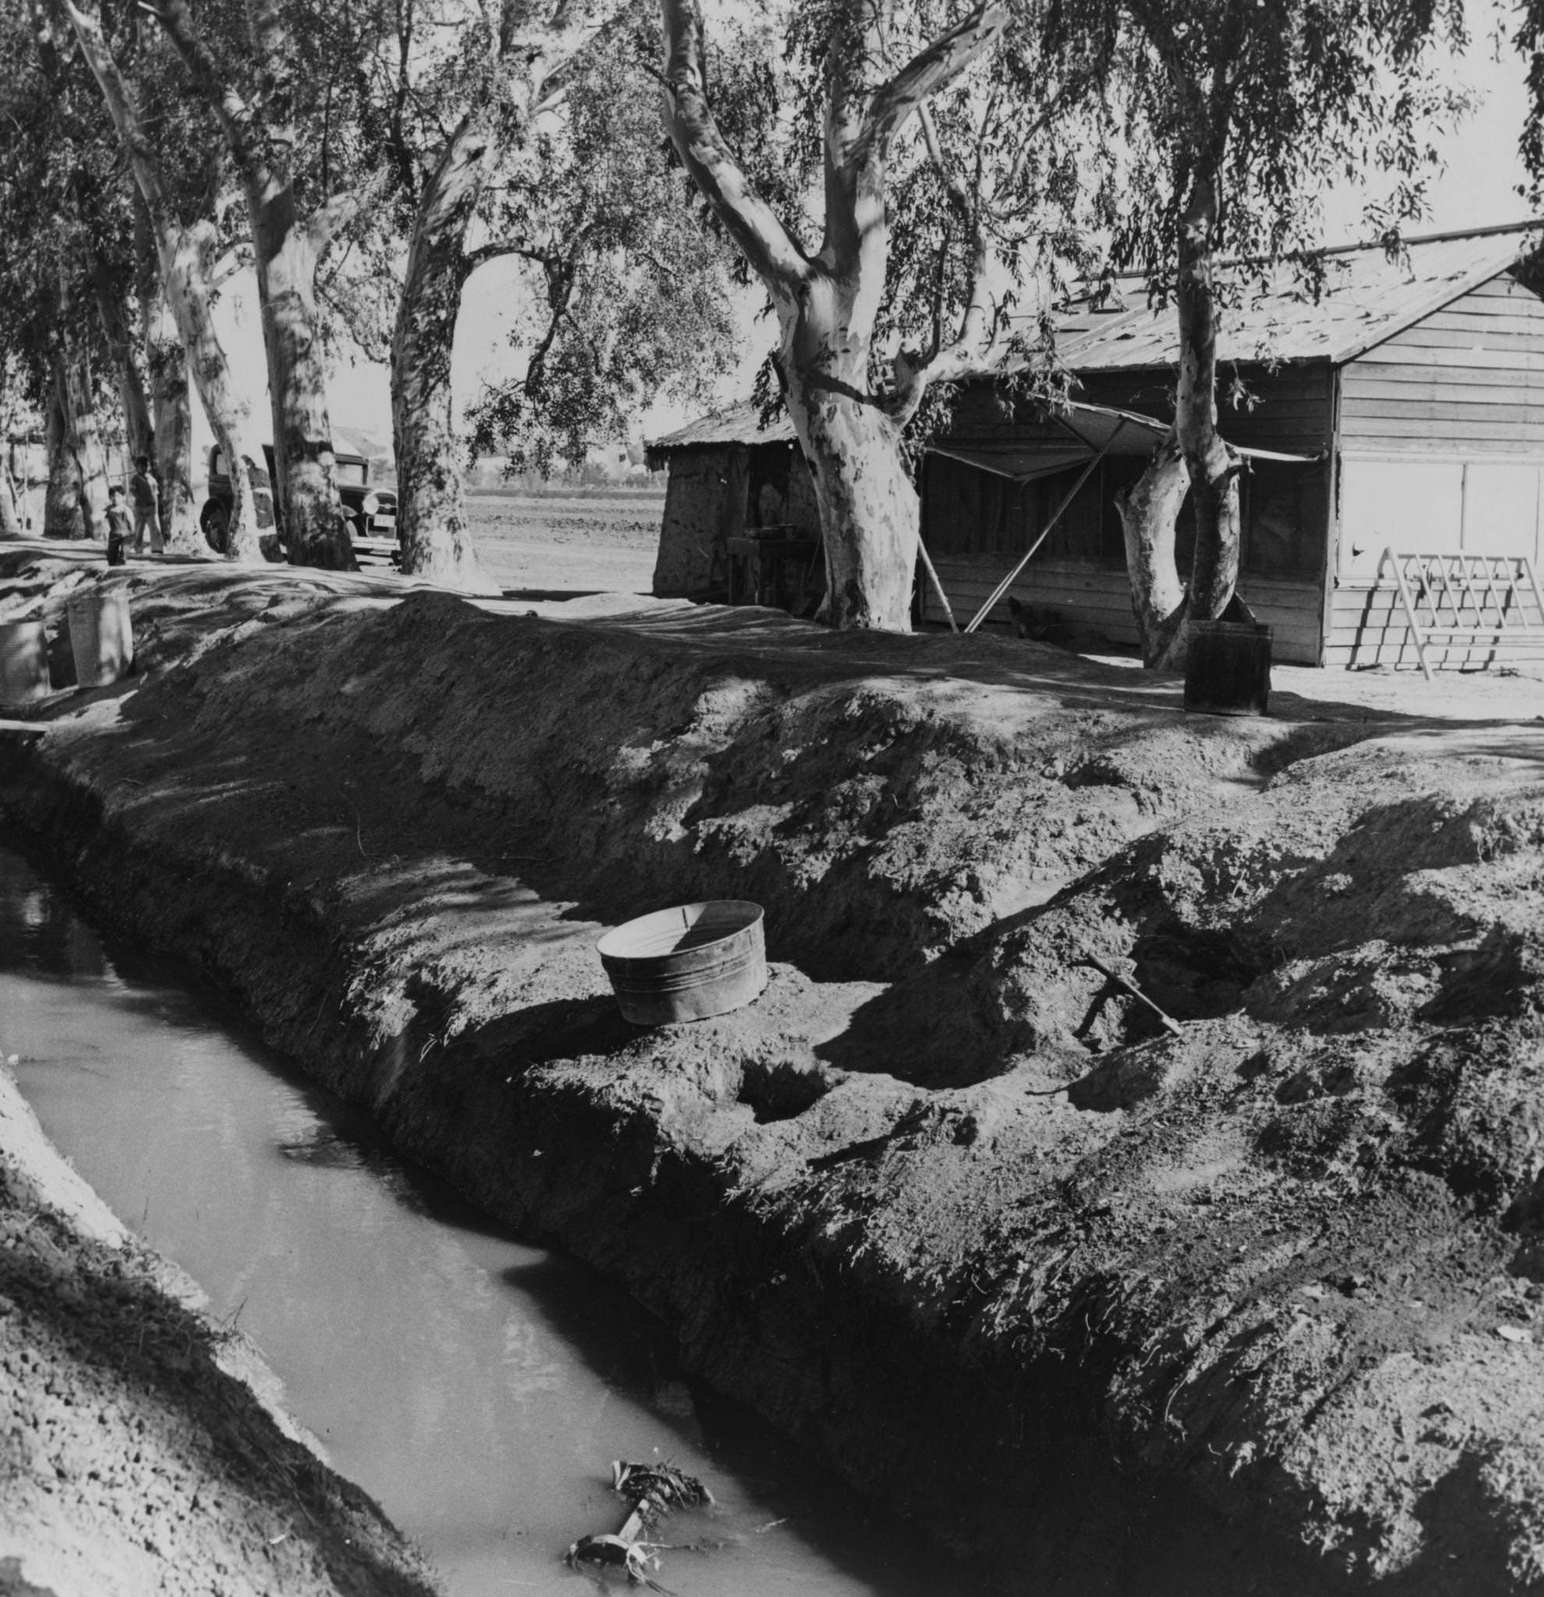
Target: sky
1478,188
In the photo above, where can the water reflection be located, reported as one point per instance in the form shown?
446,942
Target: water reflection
477,1387
38,931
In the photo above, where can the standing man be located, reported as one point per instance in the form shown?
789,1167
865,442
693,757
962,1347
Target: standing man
145,493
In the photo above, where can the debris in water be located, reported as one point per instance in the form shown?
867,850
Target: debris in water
651,1490
637,1558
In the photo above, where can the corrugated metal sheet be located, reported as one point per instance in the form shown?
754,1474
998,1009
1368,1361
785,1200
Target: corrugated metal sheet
1367,297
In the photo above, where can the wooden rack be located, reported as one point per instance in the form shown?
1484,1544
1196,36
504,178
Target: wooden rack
1476,602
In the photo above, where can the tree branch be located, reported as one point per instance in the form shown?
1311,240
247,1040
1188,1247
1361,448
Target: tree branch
332,216
485,253
123,110
751,222
234,114
1155,23
930,71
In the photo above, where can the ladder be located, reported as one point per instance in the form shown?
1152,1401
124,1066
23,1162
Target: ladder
1475,601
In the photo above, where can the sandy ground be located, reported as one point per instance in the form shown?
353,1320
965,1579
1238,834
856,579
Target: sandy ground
1132,1168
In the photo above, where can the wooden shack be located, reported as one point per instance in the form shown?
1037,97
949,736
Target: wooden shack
726,476
1394,436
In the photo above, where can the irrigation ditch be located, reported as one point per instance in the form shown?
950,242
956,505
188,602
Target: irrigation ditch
1246,1301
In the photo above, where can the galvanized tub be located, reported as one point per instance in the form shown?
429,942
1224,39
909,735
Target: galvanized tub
23,661
688,962
101,636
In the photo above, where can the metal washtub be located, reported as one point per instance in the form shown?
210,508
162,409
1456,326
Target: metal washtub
687,963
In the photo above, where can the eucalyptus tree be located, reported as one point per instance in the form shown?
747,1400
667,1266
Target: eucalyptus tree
18,417
279,78
520,132
62,212
1238,116
943,210
448,117
625,295
180,247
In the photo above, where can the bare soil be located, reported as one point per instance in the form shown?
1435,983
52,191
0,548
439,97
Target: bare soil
589,540
1246,1302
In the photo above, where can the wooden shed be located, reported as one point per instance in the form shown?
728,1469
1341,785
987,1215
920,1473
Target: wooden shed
1403,411
726,476
1394,437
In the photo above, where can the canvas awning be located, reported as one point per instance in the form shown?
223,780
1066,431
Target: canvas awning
1075,433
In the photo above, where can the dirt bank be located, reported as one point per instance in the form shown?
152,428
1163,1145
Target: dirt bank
140,1446
1250,1307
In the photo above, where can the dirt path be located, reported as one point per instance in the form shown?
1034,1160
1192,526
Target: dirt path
1255,1306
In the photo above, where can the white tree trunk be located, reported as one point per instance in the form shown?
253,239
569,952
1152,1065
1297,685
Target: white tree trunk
828,302
1214,465
76,506
171,411
185,272
186,258
431,501
315,533
1149,517
114,315
10,502
869,510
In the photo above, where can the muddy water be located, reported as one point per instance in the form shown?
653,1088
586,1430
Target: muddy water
476,1387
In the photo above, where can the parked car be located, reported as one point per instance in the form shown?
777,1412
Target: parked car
371,512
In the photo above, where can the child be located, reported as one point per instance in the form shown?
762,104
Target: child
146,496
117,525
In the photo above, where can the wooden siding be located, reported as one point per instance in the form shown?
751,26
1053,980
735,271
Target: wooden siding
1368,627
1466,381
1099,600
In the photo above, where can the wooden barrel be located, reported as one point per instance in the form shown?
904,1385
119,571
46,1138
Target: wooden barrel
23,661
1228,668
688,962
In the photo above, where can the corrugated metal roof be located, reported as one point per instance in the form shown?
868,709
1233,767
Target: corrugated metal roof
739,424
1367,297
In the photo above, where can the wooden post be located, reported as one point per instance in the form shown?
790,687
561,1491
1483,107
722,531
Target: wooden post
1533,582
938,587
1056,515
1404,595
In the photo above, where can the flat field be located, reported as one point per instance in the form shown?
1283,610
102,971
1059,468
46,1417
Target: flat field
565,543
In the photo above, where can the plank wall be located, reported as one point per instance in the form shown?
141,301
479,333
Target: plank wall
1466,381
1099,600
1368,628
1442,448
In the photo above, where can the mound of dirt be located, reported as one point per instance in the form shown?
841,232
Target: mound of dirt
1133,1168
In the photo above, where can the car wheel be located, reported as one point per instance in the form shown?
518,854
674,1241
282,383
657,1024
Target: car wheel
214,521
